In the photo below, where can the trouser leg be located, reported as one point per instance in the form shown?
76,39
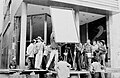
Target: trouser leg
103,59
79,61
89,60
82,57
41,57
28,62
89,75
38,60
31,62
102,75
50,59
56,56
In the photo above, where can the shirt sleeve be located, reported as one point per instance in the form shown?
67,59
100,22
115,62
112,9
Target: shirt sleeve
28,50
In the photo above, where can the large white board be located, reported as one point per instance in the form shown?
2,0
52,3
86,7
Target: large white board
64,25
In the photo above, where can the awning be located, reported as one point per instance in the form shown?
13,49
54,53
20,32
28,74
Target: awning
64,25
103,7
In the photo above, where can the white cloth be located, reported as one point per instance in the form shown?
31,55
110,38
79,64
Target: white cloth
30,50
38,60
96,66
63,69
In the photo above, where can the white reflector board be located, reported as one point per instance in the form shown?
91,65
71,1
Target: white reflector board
64,25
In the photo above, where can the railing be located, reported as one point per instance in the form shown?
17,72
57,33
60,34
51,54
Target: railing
22,73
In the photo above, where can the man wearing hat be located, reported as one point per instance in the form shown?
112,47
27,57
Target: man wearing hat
39,52
102,51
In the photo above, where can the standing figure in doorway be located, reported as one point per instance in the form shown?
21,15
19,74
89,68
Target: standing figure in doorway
40,47
102,51
88,51
94,48
54,50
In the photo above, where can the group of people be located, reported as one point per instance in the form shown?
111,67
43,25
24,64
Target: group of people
87,52
91,56
38,49
34,53
85,55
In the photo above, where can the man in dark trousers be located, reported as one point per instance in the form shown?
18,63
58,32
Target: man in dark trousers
30,54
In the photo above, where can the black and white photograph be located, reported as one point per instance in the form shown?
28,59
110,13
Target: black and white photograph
59,38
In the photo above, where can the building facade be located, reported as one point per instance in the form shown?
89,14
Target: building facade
18,30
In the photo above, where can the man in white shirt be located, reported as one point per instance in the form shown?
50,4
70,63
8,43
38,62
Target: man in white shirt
96,67
63,68
30,54
94,48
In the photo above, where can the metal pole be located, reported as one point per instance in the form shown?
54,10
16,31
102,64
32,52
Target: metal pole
23,35
30,28
87,30
108,23
45,28
77,23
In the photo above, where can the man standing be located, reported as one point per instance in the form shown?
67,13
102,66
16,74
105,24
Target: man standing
40,46
102,51
96,67
88,50
78,56
30,54
94,48
54,50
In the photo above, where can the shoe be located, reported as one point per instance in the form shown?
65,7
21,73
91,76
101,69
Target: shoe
46,68
83,70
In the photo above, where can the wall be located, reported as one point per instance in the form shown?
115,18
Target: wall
115,43
7,50
1,15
